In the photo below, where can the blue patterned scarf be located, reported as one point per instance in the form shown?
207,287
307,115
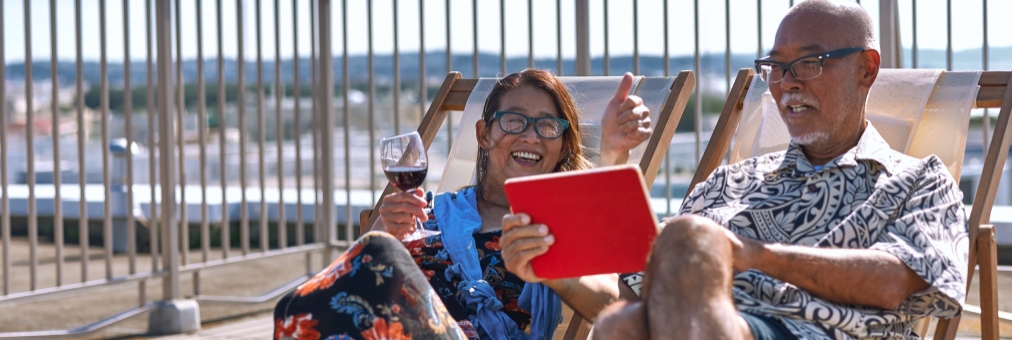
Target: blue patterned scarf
459,220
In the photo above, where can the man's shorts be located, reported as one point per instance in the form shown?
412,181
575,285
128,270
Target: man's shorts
766,328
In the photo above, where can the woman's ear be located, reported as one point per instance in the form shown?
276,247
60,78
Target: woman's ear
481,133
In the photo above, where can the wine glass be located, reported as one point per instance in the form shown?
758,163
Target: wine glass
405,165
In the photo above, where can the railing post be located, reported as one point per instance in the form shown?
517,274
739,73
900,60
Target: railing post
326,97
890,34
171,315
582,38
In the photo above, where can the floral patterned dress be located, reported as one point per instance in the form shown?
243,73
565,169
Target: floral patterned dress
373,291
377,290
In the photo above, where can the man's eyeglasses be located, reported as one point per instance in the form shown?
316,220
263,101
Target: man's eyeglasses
804,68
515,123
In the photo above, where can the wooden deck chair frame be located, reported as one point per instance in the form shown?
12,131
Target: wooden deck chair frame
994,92
453,95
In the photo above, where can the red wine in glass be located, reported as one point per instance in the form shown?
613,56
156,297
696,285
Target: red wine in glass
405,177
405,164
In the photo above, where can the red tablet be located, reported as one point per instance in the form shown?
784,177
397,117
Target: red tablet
601,219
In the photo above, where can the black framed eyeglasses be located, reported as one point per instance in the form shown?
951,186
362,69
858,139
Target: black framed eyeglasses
515,123
804,68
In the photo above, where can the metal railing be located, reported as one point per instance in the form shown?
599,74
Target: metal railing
319,169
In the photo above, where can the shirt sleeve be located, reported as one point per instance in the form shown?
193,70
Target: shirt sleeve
930,236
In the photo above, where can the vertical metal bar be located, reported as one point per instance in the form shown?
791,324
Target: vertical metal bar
530,33
948,35
449,67
184,230
152,108
502,38
889,36
759,30
699,82
5,203
913,48
315,126
300,232
985,55
106,180
583,38
474,30
636,37
82,220
241,101
558,37
128,112
327,80
397,72
170,237
327,131
226,235
607,56
790,4
667,72
265,236
727,44
205,228
57,178
33,223
279,137
422,91
371,112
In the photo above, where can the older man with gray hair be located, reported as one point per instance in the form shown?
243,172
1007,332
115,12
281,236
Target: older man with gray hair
837,237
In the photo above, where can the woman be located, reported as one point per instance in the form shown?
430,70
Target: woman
529,126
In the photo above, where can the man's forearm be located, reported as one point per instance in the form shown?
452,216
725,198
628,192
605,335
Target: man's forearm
850,276
587,295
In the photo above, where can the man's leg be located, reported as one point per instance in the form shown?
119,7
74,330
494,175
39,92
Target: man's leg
687,290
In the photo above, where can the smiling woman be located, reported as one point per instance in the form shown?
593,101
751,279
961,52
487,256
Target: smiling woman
455,284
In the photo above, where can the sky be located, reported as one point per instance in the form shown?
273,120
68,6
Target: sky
967,26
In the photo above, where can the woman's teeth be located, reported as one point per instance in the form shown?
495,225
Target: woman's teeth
526,156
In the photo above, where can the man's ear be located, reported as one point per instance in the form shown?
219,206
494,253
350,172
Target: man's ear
481,134
870,62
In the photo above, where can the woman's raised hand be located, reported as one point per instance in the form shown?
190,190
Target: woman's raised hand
625,124
398,211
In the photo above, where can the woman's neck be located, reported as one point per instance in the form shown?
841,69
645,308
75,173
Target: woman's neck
492,206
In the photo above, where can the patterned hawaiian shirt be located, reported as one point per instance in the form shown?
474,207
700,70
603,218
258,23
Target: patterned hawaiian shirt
871,197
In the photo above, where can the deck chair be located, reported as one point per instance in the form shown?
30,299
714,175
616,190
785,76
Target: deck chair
941,115
665,96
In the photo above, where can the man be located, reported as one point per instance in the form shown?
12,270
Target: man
837,237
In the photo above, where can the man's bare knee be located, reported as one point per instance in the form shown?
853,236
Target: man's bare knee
690,232
692,253
625,320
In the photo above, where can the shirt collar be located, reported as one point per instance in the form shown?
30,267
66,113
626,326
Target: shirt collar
871,146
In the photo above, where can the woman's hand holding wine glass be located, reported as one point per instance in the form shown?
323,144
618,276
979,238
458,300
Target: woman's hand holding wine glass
405,165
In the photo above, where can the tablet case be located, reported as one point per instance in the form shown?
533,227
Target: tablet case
601,219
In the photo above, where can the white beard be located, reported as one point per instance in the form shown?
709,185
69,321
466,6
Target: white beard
811,138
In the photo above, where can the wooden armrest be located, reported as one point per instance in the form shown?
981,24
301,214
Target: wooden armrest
363,221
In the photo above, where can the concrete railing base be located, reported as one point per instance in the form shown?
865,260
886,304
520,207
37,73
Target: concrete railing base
174,317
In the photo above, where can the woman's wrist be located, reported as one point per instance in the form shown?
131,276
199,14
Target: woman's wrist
610,156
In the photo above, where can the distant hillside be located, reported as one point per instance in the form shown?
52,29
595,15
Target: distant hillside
712,64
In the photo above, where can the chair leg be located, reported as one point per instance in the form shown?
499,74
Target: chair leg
988,257
579,328
921,327
946,328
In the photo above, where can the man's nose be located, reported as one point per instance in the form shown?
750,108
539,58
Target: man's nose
789,83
